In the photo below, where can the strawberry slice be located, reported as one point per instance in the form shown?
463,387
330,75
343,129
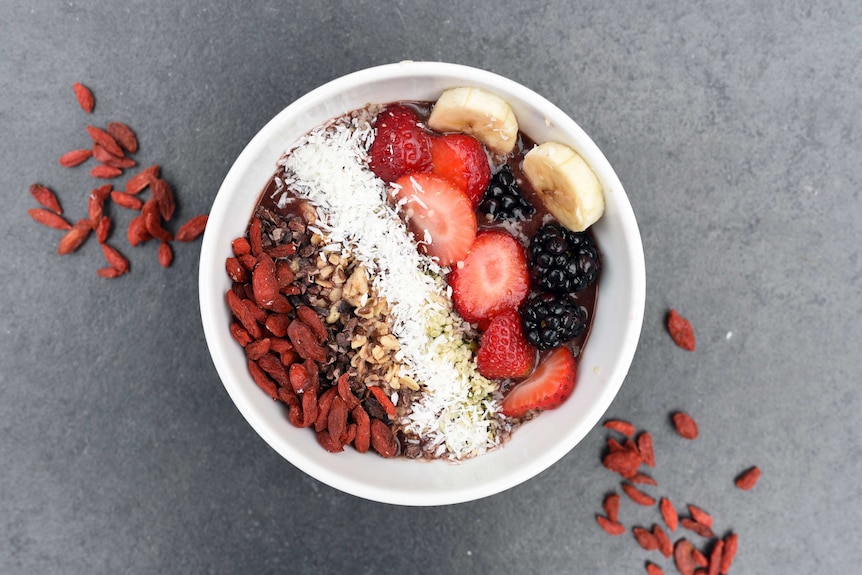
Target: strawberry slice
549,386
493,278
504,351
462,160
400,145
438,214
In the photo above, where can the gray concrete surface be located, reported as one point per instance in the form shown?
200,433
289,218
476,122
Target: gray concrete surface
736,128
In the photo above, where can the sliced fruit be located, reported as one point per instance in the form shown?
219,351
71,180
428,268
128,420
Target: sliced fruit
549,386
566,184
462,160
504,351
400,145
438,214
493,278
486,116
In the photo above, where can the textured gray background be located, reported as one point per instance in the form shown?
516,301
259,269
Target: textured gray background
736,128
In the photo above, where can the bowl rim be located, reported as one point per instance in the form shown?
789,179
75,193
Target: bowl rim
628,340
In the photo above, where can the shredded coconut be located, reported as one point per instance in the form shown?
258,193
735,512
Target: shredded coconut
458,412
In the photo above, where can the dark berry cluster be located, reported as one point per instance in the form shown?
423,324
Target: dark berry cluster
563,261
550,320
503,200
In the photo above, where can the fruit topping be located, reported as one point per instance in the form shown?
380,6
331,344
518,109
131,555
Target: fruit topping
472,111
401,146
438,214
462,160
549,386
568,187
504,351
563,261
503,199
550,320
493,278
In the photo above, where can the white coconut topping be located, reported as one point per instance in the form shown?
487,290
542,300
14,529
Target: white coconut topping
458,410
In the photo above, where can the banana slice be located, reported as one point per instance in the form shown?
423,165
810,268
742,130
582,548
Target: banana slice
566,183
486,116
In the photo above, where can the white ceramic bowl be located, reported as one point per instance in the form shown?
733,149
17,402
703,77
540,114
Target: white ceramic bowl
535,446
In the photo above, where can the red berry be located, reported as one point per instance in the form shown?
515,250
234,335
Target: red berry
438,215
504,351
493,278
400,146
549,386
462,160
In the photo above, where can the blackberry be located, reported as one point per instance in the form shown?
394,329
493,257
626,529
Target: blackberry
563,261
550,320
503,200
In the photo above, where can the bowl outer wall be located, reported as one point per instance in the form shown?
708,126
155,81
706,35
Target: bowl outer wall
533,447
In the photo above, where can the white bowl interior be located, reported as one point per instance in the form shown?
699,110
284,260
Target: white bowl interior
533,447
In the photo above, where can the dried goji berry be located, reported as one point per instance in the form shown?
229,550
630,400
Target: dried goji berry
362,442
623,462
715,557
324,403
76,236
668,513
84,96
262,379
682,557
255,239
623,427
304,342
645,538
611,505
653,569
699,558
241,312
700,515
282,251
299,378
645,448
137,183
104,139
642,478
665,546
731,542
105,172
46,198
337,418
124,136
263,281
382,440
137,231
276,370
127,201
611,527
192,229
240,247
115,259
309,407
685,425
49,218
680,331
103,229
637,495
256,349
240,334
748,478
153,221
312,320
166,254
163,195
384,401
74,158
694,526
344,391
328,443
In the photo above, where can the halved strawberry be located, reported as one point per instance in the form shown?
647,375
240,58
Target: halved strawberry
504,351
400,145
493,278
438,214
462,160
549,386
